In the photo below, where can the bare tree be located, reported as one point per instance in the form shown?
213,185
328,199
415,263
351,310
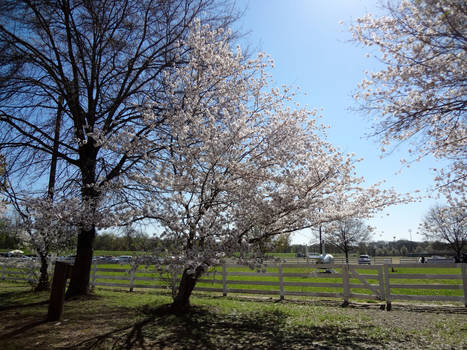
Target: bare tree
93,63
2,183
447,224
346,234
281,243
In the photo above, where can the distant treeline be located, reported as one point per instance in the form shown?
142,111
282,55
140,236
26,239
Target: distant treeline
133,240
137,241
383,248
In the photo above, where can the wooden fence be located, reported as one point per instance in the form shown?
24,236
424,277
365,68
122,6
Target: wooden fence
18,270
424,281
388,282
375,260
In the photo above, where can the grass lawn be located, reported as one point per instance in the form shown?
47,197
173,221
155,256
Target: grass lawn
122,320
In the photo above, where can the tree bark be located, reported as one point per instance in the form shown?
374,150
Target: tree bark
79,283
43,283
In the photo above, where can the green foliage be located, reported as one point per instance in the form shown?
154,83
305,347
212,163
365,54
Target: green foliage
8,234
130,241
281,243
404,251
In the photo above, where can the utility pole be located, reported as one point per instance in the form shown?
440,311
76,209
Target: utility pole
320,240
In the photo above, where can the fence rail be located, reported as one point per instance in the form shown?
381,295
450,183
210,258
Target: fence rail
375,260
388,282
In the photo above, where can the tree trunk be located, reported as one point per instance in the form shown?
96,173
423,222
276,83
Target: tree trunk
43,283
181,301
79,283
458,257
347,257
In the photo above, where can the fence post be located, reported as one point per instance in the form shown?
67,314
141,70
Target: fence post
381,282
346,284
387,287
31,273
94,271
464,281
281,282
132,279
224,280
57,294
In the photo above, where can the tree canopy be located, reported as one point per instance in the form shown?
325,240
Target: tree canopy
90,64
151,112
420,93
241,166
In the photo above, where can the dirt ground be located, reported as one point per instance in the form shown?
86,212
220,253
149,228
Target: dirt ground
104,322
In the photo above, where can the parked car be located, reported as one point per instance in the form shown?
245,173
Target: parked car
124,259
439,260
108,259
68,259
16,253
364,259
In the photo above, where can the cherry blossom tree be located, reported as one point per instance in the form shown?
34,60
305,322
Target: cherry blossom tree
88,64
447,224
420,94
46,231
240,164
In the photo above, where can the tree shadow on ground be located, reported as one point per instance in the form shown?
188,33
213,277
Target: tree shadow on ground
12,300
202,329
26,326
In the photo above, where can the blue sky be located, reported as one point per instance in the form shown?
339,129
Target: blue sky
311,49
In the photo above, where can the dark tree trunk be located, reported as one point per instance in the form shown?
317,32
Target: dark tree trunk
457,246
43,283
79,283
181,301
347,256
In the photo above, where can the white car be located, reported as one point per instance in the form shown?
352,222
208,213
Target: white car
124,259
364,260
439,260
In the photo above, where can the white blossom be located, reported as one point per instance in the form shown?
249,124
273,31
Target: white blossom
239,165
420,95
